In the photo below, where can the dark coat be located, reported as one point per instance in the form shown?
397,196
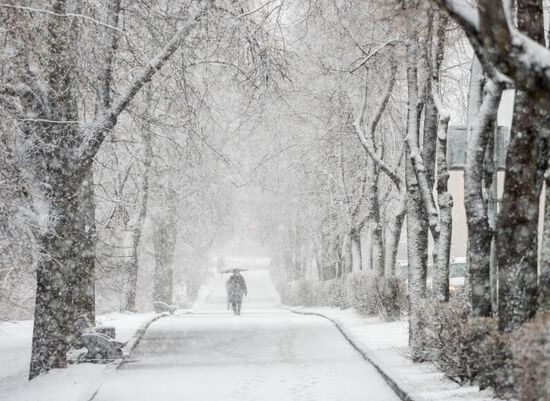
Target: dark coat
236,288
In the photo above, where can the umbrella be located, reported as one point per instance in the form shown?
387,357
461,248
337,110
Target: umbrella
232,270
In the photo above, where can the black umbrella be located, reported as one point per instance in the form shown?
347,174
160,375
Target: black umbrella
232,270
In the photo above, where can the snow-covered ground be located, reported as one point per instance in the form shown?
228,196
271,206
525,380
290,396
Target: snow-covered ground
266,354
74,383
386,345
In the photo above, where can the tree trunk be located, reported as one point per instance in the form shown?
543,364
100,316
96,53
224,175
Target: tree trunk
377,255
417,221
518,219
442,249
544,279
54,307
356,253
417,255
394,234
164,242
84,281
346,255
60,182
480,234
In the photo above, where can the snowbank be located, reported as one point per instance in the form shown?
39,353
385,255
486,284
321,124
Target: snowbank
77,382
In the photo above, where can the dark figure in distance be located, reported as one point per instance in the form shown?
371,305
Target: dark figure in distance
236,289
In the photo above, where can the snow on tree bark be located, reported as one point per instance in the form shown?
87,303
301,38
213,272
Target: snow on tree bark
518,218
394,233
500,46
434,151
480,131
417,219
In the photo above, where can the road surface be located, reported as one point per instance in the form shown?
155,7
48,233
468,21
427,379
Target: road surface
266,354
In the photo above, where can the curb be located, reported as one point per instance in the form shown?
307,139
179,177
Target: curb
136,338
131,344
402,394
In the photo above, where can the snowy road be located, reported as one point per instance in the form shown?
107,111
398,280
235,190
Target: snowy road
265,354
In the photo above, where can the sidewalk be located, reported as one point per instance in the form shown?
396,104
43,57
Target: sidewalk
384,344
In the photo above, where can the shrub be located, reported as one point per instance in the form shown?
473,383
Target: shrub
301,293
468,349
369,294
490,352
444,341
531,349
334,293
373,295
359,290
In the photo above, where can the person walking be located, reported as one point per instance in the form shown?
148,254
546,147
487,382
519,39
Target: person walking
236,289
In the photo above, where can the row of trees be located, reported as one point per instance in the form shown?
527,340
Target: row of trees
120,122
114,132
376,89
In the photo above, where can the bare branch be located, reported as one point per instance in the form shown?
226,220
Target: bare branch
107,121
367,138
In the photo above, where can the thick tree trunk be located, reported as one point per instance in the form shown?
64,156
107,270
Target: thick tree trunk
417,219
417,255
84,281
518,219
54,314
58,177
480,234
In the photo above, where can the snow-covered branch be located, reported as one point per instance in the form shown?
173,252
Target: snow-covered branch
105,122
500,46
366,138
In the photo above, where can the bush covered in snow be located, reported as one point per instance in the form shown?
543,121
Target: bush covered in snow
369,294
375,295
471,349
444,341
468,349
